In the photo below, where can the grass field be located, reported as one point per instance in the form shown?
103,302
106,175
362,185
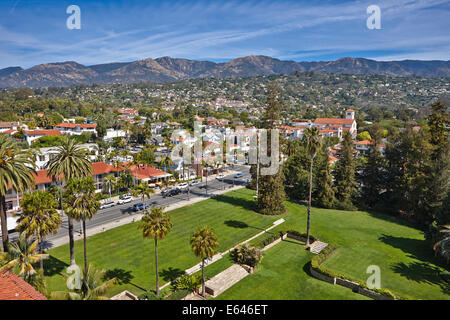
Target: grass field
407,265
283,274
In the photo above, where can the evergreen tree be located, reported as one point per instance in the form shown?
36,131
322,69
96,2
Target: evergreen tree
271,189
324,193
344,174
371,175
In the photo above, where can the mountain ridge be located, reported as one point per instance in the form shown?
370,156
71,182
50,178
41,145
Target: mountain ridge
175,69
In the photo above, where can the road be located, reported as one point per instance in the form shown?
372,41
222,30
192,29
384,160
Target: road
107,215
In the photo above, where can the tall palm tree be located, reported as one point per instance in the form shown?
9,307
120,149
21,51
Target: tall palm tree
93,287
166,161
203,242
313,143
142,190
39,217
81,203
71,161
22,255
15,173
111,182
154,225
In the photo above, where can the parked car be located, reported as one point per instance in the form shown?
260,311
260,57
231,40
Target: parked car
183,185
195,182
220,176
238,175
140,206
125,199
107,204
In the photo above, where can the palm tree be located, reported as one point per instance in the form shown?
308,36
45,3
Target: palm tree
81,203
15,173
203,242
142,190
71,161
166,161
22,255
313,143
39,217
93,287
154,225
111,182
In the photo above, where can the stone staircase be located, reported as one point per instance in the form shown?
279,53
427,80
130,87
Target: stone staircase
317,246
225,280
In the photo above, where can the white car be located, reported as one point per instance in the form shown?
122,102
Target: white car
125,199
107,204
220,176
183,185
195,182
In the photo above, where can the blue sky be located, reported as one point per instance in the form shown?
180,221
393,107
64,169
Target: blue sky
34,32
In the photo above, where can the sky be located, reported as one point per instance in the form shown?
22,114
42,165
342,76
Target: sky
34,32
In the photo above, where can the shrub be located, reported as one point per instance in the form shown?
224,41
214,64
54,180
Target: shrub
246,254
300,236
188,282
149,295
270,239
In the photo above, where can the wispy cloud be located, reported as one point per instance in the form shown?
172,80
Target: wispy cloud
219,30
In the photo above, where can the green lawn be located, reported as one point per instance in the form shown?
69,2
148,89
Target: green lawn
408,266
283,274
126,255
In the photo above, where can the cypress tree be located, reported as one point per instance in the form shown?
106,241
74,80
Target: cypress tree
344,174
324,194
271,189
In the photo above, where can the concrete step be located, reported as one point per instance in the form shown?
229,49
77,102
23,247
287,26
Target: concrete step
225,280
318,246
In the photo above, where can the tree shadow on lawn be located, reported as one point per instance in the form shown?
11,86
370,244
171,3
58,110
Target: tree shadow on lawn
415,248
422,272
236,224
171,274
236,201
53,266
122,277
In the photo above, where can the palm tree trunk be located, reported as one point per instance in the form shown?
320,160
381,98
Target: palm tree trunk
156,263
206,188
5,238
309,204
85,248
203,278
71,240
41,251
70,227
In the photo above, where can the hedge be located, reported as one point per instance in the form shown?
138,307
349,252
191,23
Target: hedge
317,260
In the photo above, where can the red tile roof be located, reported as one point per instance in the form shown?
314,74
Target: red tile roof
43,132
12,287
74,125
334,121
144,172
101,167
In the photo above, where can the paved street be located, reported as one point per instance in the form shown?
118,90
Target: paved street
117,213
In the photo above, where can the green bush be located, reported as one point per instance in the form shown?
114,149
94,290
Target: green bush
178,295
149,295
188,282
246,254
301,236
271,238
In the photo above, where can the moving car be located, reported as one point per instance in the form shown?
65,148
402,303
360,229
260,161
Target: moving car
171,193
140,206
107,204
195,182
238,175
125,199
220,176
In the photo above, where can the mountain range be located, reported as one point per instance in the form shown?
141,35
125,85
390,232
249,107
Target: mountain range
164,69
